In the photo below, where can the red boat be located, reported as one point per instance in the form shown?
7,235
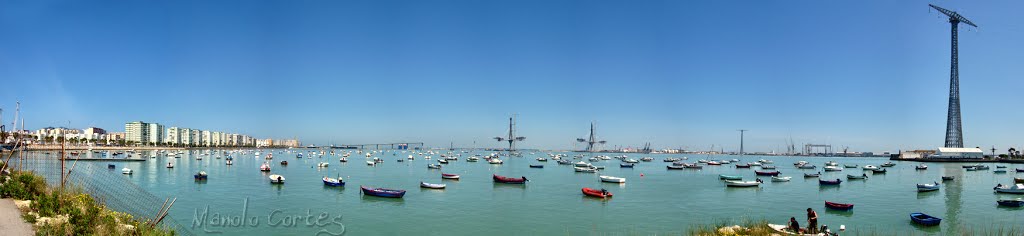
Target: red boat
767,173
601,193
838,206
509,180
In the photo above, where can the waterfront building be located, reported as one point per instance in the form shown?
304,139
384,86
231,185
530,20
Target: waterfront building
173,136
207,138
115,137
186,136
137,131
197,137
945,152
156,133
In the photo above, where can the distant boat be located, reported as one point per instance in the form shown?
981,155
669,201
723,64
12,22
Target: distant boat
276,179
321,164
921,167
730,177
1018,180
647,159
472,159
382,192
170,165
510,180
806,166
767,173
1014,189
672,167
850,166
833,168
284,163
781,179
449,176
879,171
999,171
767,167
829,182
1011,203
371,163
869,167
612,179
332,182
743,166
228,162
630,161
265,167
431,186
928,187
862,176
343,159
838,206
495,161
626,165
442,161
601,193
947,178
536,166
733,183
126,171
200,176
111,166
888,164
924,219
585,169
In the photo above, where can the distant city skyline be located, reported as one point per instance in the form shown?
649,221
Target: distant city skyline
871,76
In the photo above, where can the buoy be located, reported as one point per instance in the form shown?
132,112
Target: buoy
641,174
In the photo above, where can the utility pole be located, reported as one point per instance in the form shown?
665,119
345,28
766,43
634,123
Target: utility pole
741,140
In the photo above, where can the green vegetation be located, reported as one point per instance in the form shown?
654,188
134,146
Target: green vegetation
84,216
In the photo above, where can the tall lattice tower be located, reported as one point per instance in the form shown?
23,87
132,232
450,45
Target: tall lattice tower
954,131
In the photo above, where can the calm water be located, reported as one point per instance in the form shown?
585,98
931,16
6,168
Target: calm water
652,201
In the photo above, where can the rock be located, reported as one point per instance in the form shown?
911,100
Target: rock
23,205
126,227
730,230
42,221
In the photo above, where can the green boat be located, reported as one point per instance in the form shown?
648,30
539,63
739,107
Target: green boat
730,177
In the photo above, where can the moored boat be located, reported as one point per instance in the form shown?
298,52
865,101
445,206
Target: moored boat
947,178
1018,180
265,167
730,177
767,173
382,192
284,163
869,167
541,159
626,165
276,179
509,180
612,179
781,179
585,169
1011,202
601,193
200,176
888,164
433,166
766,167
1014,189
830,182
921,167
733,183
449,176
126,171
321,164
432,186
833,168
924,219
672,167
862,176
838,206
170,165
328,181
812,175
743,166
928,187
536,166
850,166
806,166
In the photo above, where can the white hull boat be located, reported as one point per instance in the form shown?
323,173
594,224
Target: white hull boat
612,179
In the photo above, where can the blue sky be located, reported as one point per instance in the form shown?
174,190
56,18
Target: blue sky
871,75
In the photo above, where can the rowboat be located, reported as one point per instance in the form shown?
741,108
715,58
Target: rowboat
879,171
838,206
850,166
833,168
126,171
869,167
585,169
733,183
781,179
510,180
1011,202
742,166
767,167
430,185
370,163
730,177
321,164
541,159
449,176
647,159
947,178
265,167
276,179
999,171
767,173
472,159
982,167
536,166
924,219
626,165
601,193
495,161
382,192
921,167
200,176
630,161
1015,189
812,175
612,179
863,176
754,164
829,182
888,164
328,181
1018,180
672,167
433,166
928,187
806,166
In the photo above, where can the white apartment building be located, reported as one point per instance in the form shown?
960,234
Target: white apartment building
137,131
207,138
156,133
173,135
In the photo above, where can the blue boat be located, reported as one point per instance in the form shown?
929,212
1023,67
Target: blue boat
200,176
332,182
382,192
110,166
1011,203
626,165
924,219
830,182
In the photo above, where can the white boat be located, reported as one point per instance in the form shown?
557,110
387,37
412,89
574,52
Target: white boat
781,179
371,163
321,164
862,176
784,230
430,185
1016,188
754,164
631,161
229,162
449,176
831,163
433,166
888,164
126,171
170,165
806,166
276,179
541,159
869,167
767,162
733,183
833,168
928,187
442,161
495,161
581,164
735,160
472,159
265,167
585,169
612,179
800,163
410,157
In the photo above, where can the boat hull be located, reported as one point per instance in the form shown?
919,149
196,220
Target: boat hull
926,220
838,206
508,180
382,192
596,193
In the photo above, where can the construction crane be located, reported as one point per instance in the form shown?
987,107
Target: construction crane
592,140
511,138
954,132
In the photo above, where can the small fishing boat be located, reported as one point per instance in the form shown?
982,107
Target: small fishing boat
693,166
1018,180
170,165
869,167
781,179
442,161
1011,202
838,206
536,166
829,182
229,162
332,182
564,162
581,164
812,175
541,159
265,167
743,166
1014,189
981,167
754,164
200,176
806,166
879,171
784,230
276,179
733,183
585,169
947,178
924,219
921,167
888,164
370,163
111,166
472,159
862,176
382,192
730,177
126,171
1000,167
647,159
999,171
449,176
850,166
767,173
612,179
833,168
626,165
831,163
1018,170
342,159
284,163
928,187
495,161
767,167
672,167
432,186
601,193
510,180
630,161
433,166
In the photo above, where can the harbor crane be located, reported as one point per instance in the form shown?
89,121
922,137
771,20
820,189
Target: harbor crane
511,138
954,131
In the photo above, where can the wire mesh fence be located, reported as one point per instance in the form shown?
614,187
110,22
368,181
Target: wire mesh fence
105,186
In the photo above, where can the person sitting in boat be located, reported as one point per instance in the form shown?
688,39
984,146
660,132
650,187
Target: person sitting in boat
278,178
524,178
812,220
794,225
604,191
759,180
865,175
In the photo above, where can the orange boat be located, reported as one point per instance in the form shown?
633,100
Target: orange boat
601,193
